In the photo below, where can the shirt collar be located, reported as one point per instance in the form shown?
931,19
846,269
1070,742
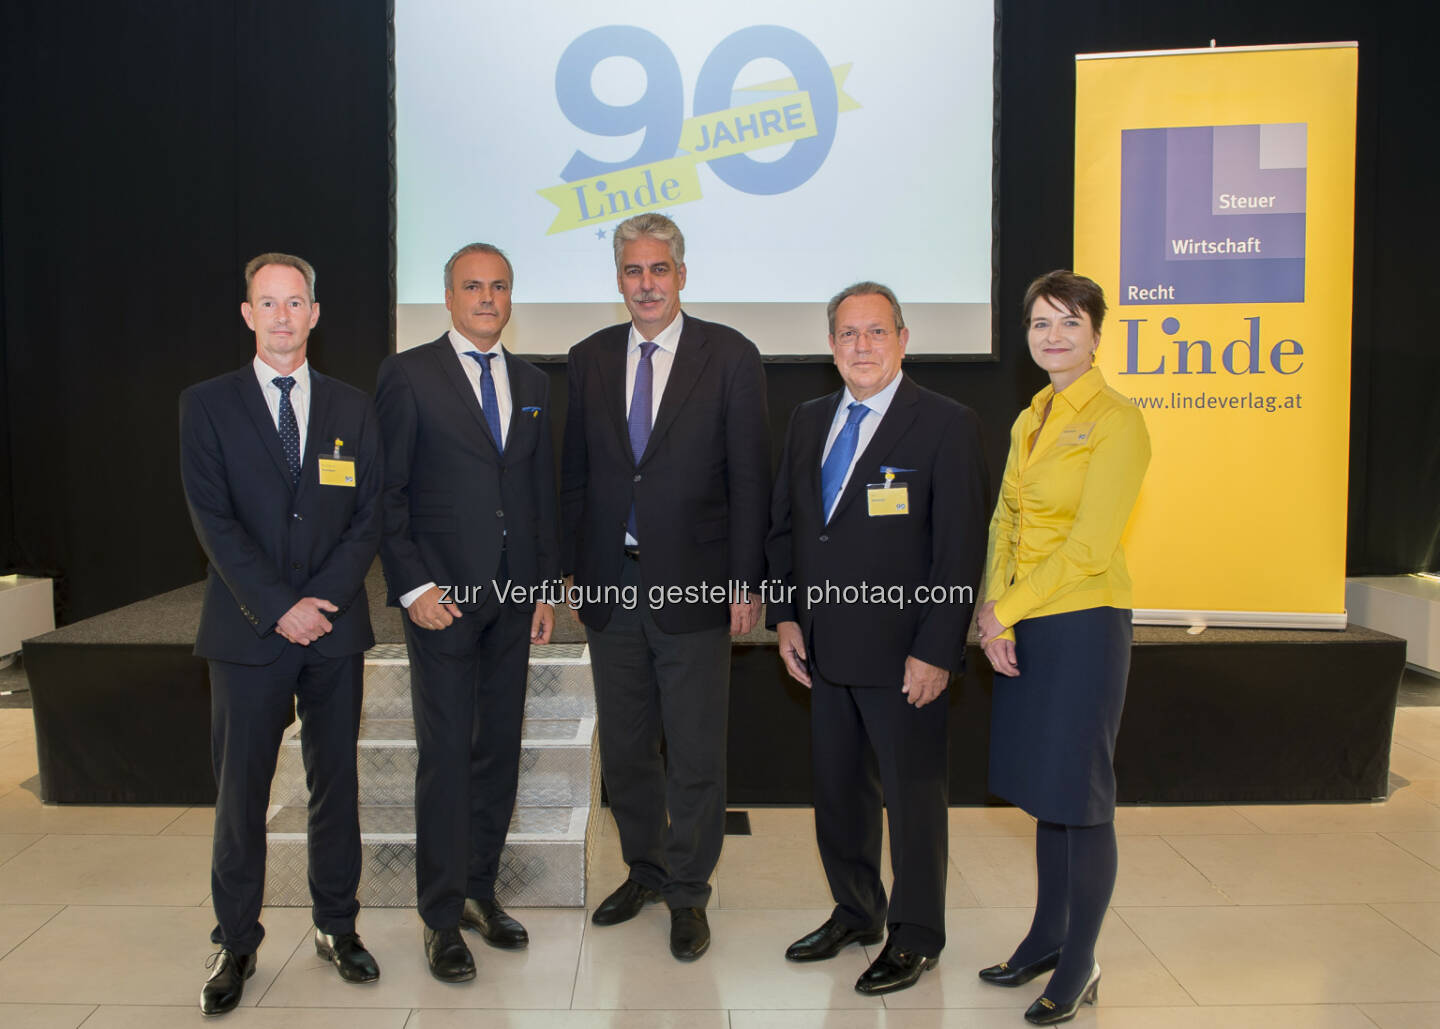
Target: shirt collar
463,346
1077,394
880,402
667,339
265,374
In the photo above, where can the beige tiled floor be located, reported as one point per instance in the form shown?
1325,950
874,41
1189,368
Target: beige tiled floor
1249,917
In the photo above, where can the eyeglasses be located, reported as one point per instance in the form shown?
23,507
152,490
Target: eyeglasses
849,337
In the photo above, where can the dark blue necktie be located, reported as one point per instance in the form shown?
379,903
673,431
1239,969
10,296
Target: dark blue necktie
842,452
288,426
641,400
488,399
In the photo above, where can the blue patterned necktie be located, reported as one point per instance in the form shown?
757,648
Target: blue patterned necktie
488,400
842,452
641,400
288,426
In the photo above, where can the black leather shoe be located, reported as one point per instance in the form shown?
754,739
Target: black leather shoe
894,969
689,933
624,904
1046,1012
449,958
222,991
1005,974
829,940
348,955
489,919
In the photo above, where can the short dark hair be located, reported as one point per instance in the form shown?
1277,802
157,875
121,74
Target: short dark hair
863,289
289,261
478,248
1075,293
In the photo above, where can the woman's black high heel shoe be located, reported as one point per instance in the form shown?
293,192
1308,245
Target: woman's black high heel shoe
1046,1012
1004,974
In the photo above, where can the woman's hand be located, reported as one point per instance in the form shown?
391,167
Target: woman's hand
1000,652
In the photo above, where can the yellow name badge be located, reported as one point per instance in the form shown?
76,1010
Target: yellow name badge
337,472
888,499
1076,433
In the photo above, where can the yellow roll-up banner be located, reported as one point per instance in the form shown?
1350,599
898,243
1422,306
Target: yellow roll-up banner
1214,202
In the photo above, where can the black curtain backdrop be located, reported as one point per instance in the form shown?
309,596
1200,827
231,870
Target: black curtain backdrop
148,150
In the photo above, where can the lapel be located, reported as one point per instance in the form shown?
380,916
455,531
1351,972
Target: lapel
521,396
610,367
447,365
316,435
896,422
253,401
691,356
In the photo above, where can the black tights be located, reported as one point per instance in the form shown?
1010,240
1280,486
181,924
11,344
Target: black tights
1075,868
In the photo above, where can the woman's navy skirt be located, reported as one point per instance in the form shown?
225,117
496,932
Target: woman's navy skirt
1053,727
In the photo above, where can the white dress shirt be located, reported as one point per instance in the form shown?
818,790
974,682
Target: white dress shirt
878,405
498,371
501,375
662,360
299,396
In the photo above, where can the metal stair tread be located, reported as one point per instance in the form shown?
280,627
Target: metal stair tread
534,732
549,654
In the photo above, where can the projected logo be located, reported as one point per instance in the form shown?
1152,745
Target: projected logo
801,110
1213,214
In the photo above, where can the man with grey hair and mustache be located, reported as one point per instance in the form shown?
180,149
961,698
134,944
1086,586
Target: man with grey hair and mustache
665,485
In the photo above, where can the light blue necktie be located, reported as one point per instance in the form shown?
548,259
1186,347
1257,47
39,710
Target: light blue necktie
641,399
288,426
488,399
842,452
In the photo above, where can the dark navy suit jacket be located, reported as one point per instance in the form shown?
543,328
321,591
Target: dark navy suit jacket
271,543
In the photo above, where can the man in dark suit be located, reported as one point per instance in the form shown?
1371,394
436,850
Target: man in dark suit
664,485
469,511
876,542
282,469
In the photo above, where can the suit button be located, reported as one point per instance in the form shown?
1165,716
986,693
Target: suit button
824,539
500,514
298,516
295,565
637,478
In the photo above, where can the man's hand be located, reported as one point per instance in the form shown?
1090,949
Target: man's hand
542,624
427,612
923,682
744,616
792,652
305,622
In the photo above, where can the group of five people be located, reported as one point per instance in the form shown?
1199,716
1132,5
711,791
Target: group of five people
294,481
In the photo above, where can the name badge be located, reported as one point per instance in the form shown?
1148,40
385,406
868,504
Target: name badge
337,472
1076,433
888,499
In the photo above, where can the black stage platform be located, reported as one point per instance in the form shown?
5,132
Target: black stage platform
122,713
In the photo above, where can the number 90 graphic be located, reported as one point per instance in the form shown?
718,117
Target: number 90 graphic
660,110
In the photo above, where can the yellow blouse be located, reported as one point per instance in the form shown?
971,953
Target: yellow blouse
1055,538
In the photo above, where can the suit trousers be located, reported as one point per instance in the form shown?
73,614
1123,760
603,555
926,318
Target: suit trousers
250,707
653,686
870,747
467,688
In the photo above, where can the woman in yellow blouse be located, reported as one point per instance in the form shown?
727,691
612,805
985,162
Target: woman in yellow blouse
1056,628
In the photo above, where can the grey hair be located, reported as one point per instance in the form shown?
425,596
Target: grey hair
301,265
656,226
478,248
863,289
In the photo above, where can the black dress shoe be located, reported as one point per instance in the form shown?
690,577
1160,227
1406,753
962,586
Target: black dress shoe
489,919
829,940
689,933
1006,974
894,969
222,991
348,955
1046,1012
624,904
449,958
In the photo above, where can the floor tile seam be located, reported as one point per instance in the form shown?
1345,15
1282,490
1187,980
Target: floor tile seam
1210,882
36,841
1240,810
260,1001
28,936
88,1017
1407,932
1385,835
1151,951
